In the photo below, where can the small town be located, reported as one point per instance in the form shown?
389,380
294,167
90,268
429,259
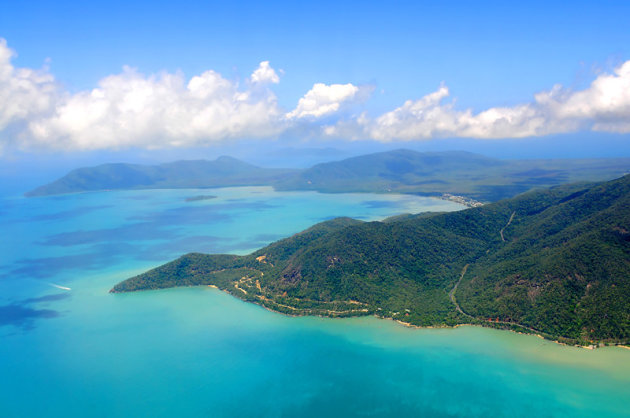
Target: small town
467,201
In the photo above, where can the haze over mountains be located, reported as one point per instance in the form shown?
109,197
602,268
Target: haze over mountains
399,171
555,261
222,172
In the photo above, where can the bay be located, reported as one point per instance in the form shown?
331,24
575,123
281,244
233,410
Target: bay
194,352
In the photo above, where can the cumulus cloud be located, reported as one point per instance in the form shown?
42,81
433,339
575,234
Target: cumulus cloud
132,109
603,106
606,103
323,100
165,110
265,74
24,93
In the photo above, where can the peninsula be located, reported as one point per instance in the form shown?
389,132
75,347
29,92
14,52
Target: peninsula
555,262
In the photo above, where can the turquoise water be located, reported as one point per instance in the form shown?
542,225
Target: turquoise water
195,352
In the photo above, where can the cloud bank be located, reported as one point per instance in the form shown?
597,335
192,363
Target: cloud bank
156,111
603,106
131,109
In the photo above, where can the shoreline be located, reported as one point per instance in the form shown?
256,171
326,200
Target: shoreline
587,347
398,321
410,325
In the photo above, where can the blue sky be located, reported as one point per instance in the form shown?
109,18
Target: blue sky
452,61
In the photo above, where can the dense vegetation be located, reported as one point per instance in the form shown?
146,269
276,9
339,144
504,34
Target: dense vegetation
400,171
222,172
556,262
455,172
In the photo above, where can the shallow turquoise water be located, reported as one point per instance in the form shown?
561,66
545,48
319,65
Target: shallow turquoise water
199,352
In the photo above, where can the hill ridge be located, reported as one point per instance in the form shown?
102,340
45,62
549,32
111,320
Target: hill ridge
457,173
221,172
556,261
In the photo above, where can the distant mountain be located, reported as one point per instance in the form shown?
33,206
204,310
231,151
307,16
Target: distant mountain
399,171
454,172
224,171
554,262
294,157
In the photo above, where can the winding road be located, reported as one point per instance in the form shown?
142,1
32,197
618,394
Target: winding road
506,225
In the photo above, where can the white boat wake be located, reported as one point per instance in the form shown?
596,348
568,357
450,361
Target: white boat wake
59,287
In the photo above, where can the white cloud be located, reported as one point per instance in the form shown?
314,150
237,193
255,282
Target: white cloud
430,117
265,74
24,93
603,106
131,109
323,100
606,103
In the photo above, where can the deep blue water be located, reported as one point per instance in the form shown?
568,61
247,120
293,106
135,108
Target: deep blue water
195,352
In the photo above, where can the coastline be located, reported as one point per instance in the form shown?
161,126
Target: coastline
481,325
398,321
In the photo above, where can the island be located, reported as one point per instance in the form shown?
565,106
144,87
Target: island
554,262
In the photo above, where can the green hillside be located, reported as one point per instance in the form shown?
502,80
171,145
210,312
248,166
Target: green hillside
222,172
555,262
455,172
400,171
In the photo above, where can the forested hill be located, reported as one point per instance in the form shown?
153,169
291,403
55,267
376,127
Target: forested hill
399,171
556,262
222,172
454,172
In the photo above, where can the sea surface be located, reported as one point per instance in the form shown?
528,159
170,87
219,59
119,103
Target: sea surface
68,348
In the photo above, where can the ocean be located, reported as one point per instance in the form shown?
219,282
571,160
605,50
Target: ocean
68,348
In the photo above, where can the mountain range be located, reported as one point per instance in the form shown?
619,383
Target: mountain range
222,172
400,171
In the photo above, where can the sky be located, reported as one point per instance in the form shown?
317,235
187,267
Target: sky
96,81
